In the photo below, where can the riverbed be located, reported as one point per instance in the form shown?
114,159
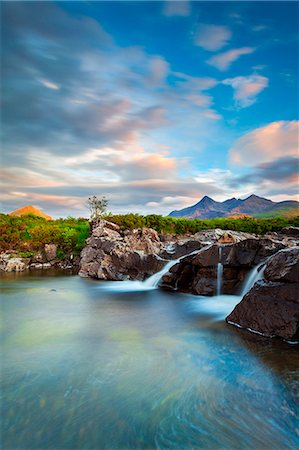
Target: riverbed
94,365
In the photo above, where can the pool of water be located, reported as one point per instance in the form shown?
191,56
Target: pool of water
87,366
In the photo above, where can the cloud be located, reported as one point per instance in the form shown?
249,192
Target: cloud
246,89
176,8
266,144
84,116
159,69
223,61
212,37
211,114
49,84
260,28
282,169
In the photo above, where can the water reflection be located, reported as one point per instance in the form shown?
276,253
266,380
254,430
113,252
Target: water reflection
88,368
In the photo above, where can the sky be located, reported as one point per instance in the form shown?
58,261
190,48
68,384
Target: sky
151,104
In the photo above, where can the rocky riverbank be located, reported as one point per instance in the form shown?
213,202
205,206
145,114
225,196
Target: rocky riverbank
46,258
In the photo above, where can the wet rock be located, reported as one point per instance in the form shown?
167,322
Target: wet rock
271,307
284,266
177,249
198,274
249,252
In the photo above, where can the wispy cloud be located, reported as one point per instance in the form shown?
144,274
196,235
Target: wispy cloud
212,37
223,61
267,143
246,89
176,8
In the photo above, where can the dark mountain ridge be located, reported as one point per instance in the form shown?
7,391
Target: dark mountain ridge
255,206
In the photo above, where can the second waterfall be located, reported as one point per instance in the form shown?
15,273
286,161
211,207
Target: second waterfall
219,272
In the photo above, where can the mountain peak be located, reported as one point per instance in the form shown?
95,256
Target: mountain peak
207,208
256,197
206,200
29,209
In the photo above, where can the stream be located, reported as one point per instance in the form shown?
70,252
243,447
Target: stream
106,365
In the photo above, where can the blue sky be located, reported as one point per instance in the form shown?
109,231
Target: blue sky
153,104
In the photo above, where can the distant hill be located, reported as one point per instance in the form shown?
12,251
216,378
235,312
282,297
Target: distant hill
254,206
29,210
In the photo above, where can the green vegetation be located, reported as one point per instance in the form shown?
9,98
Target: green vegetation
183,226
25,235
29,233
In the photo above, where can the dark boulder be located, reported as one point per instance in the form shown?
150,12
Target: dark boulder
271,307
283,266
291,231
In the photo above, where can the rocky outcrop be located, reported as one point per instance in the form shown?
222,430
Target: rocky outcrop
197,274
291,231
46,258
113,254
271,307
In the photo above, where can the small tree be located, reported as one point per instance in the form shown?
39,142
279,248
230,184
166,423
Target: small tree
97,206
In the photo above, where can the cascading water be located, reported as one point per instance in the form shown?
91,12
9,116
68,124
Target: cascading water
147,285
255,275
219,272
153,281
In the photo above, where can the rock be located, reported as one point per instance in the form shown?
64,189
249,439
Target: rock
291,231
249,252
175,250
284,266
271,307
105,224
198,274
50,251
111,254
37,258
10,263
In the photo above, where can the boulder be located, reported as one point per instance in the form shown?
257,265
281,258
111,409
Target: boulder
284,266
50,251
249,252
271,307
11,263
291,231
111,254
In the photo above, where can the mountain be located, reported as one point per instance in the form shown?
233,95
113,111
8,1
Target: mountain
29,210
254,206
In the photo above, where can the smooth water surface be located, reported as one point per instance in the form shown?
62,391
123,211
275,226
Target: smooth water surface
86,367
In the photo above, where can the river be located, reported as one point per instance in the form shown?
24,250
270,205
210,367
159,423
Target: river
89,366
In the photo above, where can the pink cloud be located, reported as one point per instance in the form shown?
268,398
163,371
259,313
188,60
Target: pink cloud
212,37
223,61
267,143
246,89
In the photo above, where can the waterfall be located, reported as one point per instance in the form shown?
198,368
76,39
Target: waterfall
219,272
153,281
254,275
